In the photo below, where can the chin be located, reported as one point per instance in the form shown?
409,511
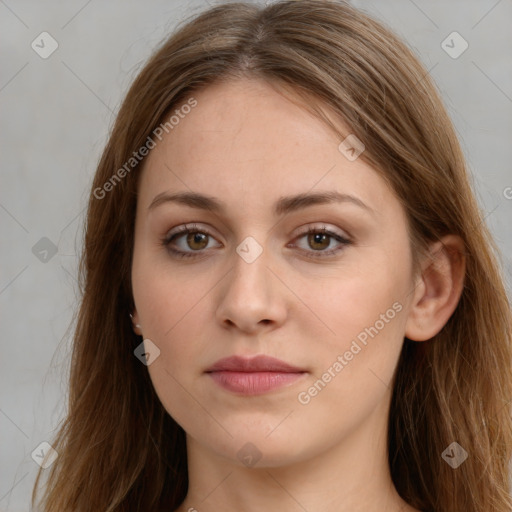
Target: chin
254,449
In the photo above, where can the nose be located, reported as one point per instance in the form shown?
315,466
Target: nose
251,297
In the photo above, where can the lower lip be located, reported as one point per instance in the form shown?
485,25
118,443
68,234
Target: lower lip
254,383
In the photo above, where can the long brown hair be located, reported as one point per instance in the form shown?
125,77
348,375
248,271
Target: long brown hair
118,448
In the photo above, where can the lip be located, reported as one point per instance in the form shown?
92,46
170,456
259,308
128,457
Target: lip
255,375
259,363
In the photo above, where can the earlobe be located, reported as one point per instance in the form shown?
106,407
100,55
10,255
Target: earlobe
439,290
137,328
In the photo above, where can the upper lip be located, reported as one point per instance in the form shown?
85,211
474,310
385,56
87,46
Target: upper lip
259,363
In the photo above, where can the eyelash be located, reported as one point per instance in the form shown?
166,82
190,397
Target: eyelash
167,240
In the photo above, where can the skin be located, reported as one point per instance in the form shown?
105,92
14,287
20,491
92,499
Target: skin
248,145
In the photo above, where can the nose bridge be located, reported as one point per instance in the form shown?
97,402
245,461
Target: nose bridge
249,295
250,273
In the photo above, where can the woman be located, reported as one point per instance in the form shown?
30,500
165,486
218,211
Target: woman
290,298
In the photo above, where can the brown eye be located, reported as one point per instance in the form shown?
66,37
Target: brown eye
319,241
197,240
187,241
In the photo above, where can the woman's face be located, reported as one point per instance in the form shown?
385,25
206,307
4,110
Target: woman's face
252,282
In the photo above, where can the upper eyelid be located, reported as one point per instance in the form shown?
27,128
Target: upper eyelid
302,231
341,239
183,229
193,227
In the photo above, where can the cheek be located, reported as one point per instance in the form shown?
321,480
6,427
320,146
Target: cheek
174,311
170,308
356,299
365,313
355,366
162,293
168,303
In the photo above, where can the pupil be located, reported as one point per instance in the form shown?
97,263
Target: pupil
318,238
197,238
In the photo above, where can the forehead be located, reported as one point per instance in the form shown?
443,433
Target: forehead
253,120
250,144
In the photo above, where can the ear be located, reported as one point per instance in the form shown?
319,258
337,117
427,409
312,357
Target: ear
438,290
137,329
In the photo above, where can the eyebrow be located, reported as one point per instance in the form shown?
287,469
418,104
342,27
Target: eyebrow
282,206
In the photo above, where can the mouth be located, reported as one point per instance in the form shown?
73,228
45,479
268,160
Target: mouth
254,376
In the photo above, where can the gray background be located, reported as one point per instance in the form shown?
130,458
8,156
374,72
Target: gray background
56,114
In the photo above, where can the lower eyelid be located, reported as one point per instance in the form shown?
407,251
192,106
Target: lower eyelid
342,243
342,240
